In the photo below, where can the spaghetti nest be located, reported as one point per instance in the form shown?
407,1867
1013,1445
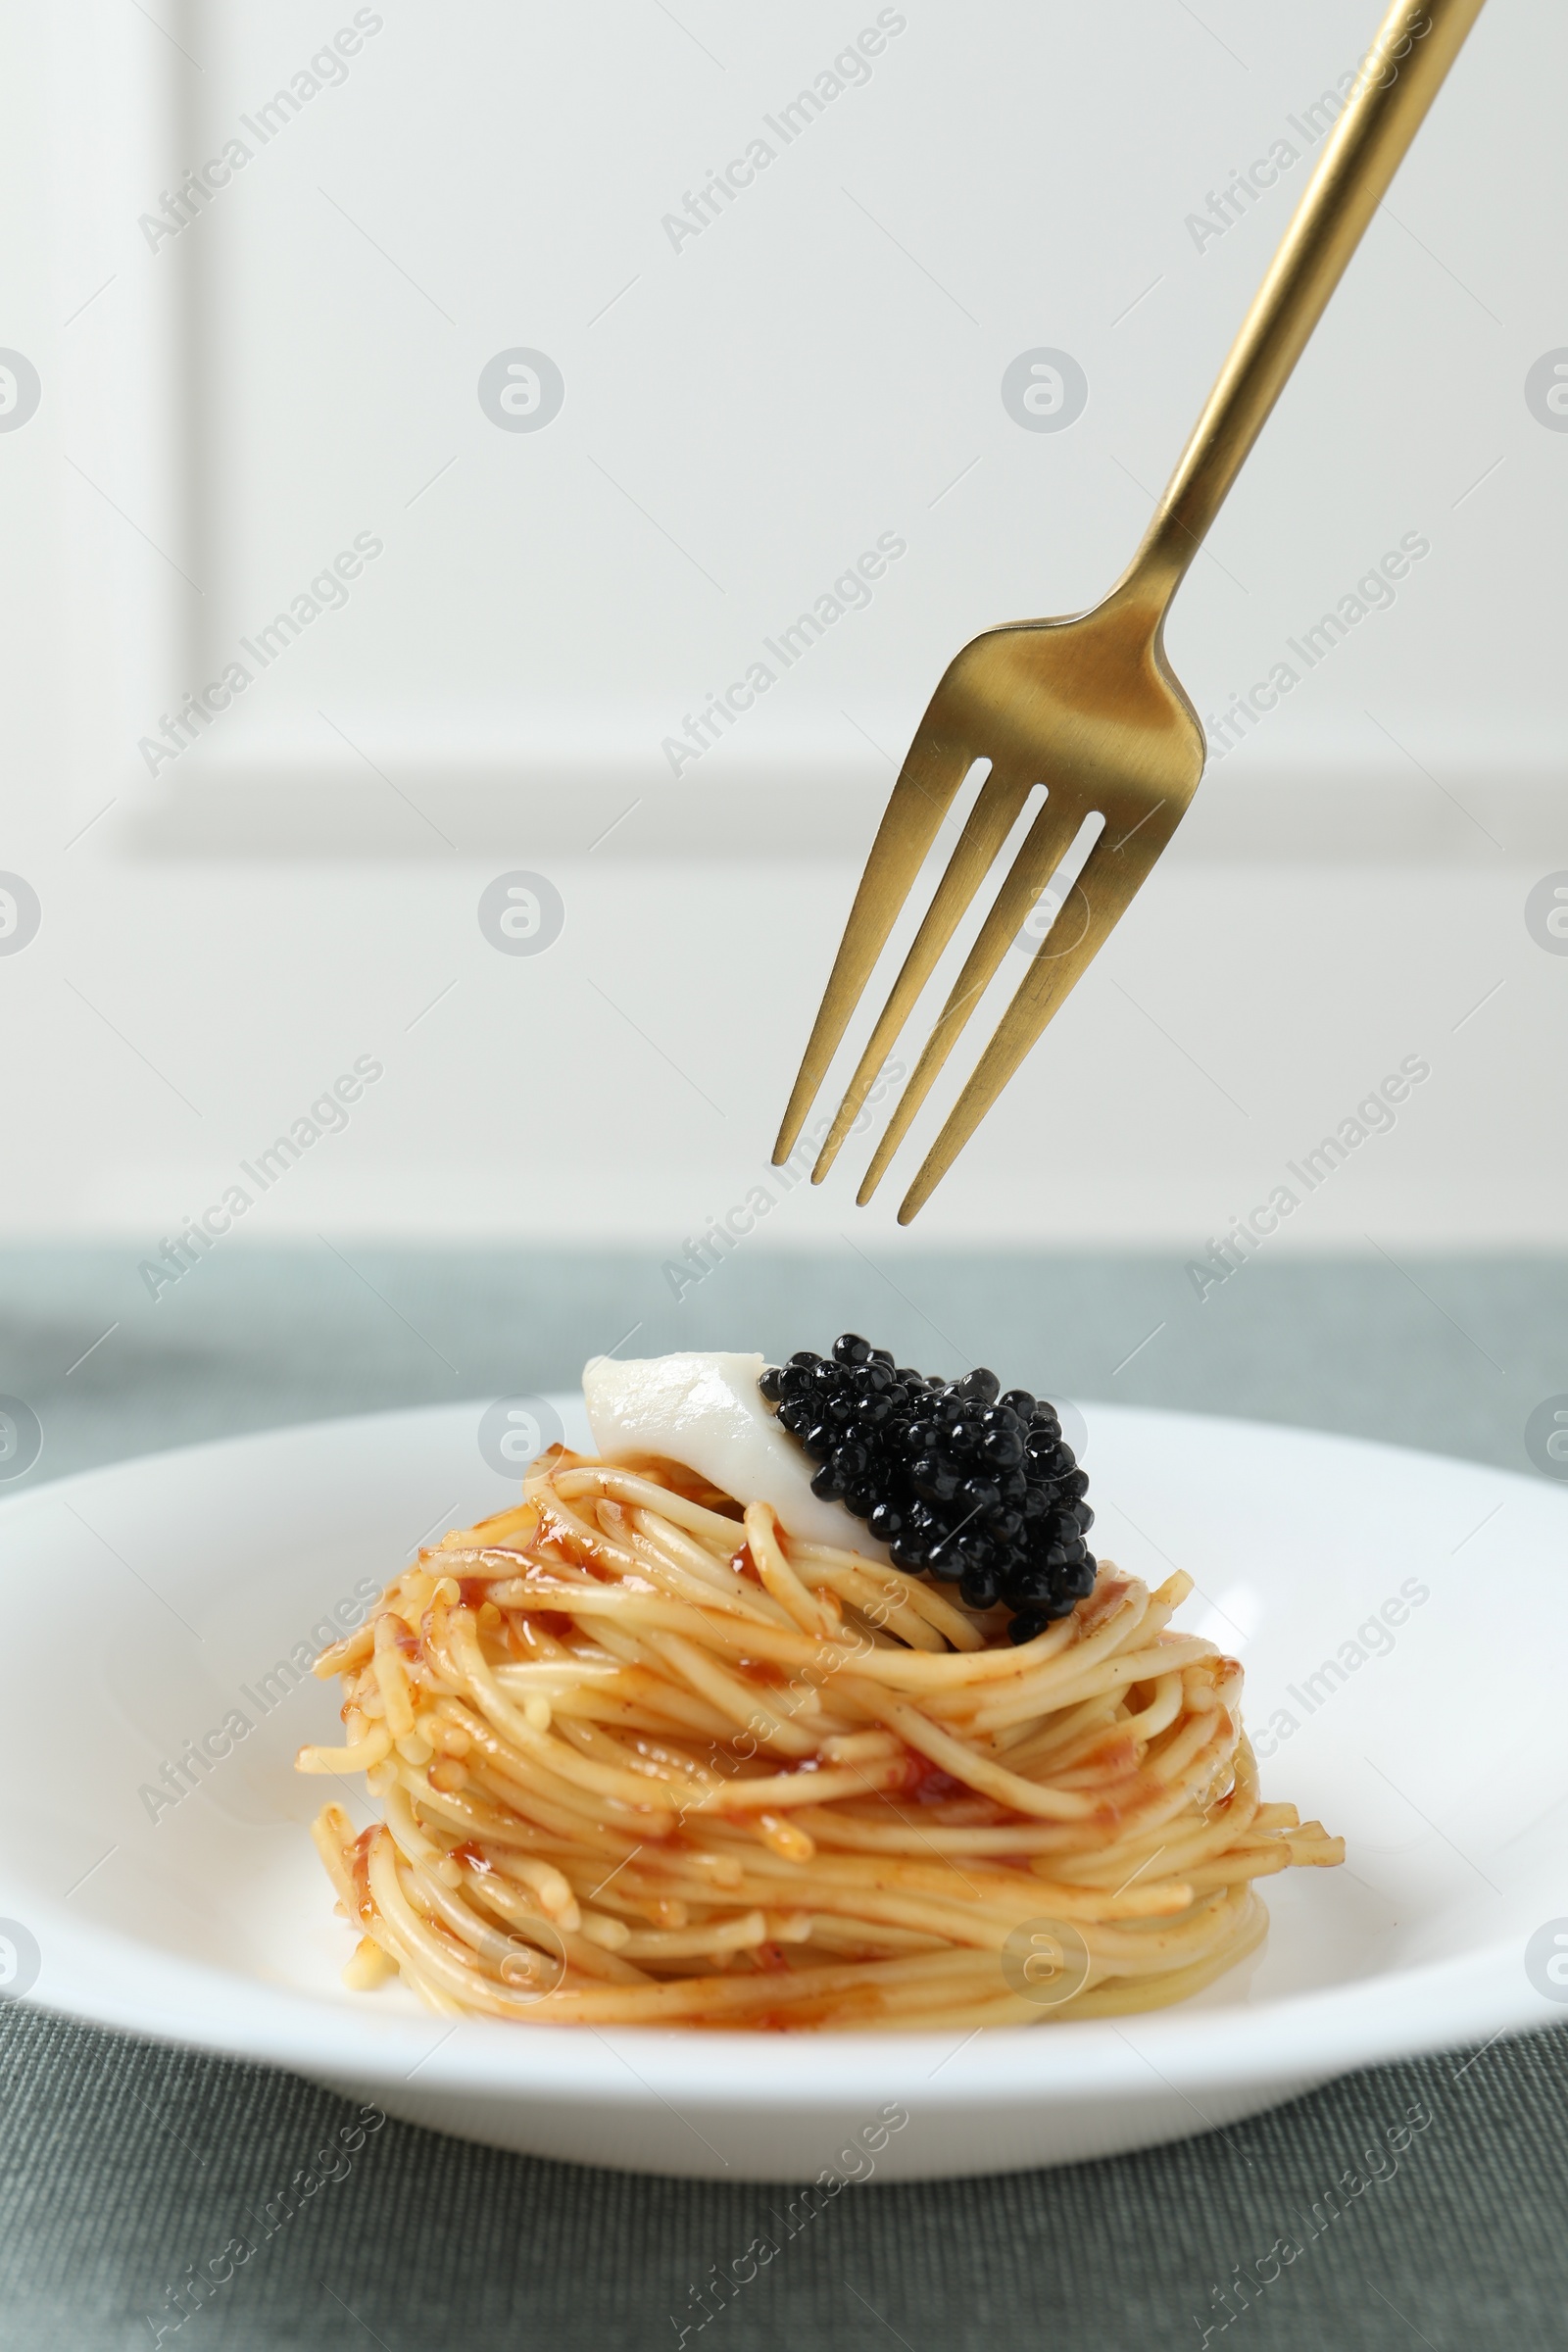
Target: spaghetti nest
644,1758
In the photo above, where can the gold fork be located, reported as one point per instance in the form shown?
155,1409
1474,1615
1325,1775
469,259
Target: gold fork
1087,706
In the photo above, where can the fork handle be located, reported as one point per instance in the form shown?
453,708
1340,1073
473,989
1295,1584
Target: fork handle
1395,82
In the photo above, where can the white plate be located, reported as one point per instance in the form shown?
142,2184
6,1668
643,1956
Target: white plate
141,1605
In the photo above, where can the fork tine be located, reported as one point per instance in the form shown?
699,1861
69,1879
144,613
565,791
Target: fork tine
1043,846
991,820
1111,874
932,773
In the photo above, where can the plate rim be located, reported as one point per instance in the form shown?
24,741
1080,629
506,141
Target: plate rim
1296,2037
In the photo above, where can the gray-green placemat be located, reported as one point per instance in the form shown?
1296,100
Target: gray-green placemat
1420,2203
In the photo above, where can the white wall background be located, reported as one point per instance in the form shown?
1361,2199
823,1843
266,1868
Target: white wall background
221,415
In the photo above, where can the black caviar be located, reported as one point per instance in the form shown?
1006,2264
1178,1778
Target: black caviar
960,1481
